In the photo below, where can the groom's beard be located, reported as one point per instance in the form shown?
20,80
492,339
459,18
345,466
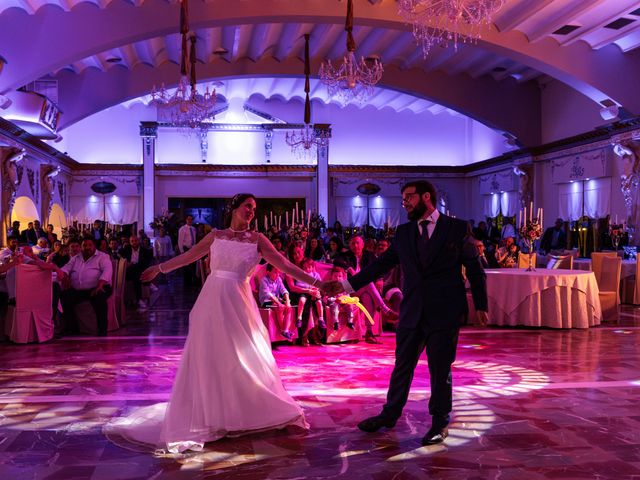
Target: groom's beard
418,211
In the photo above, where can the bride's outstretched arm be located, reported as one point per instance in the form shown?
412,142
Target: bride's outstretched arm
272,256
190,256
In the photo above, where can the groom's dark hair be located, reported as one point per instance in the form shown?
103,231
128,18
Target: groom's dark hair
422,186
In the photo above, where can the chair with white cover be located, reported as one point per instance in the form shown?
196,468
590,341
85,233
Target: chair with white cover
29,320
564,262
609,286
87,321
523,259
596,262
630,287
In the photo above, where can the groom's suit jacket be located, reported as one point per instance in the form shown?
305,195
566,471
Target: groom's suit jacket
434,289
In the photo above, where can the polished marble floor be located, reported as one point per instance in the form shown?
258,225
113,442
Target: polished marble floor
529,404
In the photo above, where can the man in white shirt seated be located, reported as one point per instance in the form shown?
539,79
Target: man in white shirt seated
87,277
41,249
10,251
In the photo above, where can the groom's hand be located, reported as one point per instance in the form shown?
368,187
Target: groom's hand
482,318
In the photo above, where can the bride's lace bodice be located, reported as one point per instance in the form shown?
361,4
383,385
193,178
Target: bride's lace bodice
234,252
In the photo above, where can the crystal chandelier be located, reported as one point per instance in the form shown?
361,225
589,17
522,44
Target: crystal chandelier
187,107
353,79
305,140
438,22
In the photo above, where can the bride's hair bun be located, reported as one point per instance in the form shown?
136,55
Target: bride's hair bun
237,200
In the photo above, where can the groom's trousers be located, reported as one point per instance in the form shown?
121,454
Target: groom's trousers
440,346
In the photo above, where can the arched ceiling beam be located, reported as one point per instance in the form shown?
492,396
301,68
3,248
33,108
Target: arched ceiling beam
505,106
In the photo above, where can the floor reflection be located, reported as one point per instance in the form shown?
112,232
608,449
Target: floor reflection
528,404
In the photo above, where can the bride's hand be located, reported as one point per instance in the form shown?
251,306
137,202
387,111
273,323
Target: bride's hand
150,273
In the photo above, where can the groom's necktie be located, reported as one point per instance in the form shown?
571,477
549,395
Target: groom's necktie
423,241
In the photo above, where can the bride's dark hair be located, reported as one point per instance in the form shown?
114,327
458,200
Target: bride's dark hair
234,203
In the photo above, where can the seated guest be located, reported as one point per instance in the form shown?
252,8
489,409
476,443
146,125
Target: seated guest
333,302
87,276
103,246
162,246
486,261
353,260
336,248
138,260
507,255
272,294
38,229
74,247
315,250
277,244
8,253
59,254
114,249
554,238
309,293
51,237
480,232
41,248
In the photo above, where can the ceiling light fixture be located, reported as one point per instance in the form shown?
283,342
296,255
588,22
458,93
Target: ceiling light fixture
306,140
439,22
353,79
188,108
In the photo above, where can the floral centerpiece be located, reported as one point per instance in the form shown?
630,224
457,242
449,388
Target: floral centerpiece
161,221
298,232
530,231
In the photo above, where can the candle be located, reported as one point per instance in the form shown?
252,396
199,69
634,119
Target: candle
271,217
616,218
265,224
541,216
286,218
520,218
302,217
524,219
297,218
531,213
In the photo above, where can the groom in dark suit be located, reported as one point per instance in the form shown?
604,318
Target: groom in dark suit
431,249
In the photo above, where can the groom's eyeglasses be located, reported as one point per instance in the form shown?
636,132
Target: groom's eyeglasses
407,197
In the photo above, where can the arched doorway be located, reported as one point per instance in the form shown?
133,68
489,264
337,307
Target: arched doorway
58,219
24,211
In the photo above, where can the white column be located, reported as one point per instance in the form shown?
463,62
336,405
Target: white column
322,175
148,133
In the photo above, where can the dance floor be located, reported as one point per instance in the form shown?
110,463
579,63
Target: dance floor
529,404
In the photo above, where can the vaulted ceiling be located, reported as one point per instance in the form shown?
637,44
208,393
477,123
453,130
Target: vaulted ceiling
105,52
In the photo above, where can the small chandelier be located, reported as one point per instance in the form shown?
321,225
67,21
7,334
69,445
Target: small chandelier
438,22
302,142
188,108
353,79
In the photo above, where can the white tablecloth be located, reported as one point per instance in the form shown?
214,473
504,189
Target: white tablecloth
543,298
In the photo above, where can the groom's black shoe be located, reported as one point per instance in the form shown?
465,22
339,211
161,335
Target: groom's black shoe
435,435
373,424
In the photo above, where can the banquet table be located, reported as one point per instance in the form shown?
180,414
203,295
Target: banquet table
543,298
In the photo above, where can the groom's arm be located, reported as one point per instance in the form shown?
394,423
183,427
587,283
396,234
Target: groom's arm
377,269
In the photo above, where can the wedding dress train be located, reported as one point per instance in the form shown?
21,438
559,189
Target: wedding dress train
228,382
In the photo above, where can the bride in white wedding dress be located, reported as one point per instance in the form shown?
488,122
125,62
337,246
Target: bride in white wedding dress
228,382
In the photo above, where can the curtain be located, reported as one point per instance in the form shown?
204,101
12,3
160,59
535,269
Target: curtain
491,205
593,197
597,197
352,211
119,210
509,203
